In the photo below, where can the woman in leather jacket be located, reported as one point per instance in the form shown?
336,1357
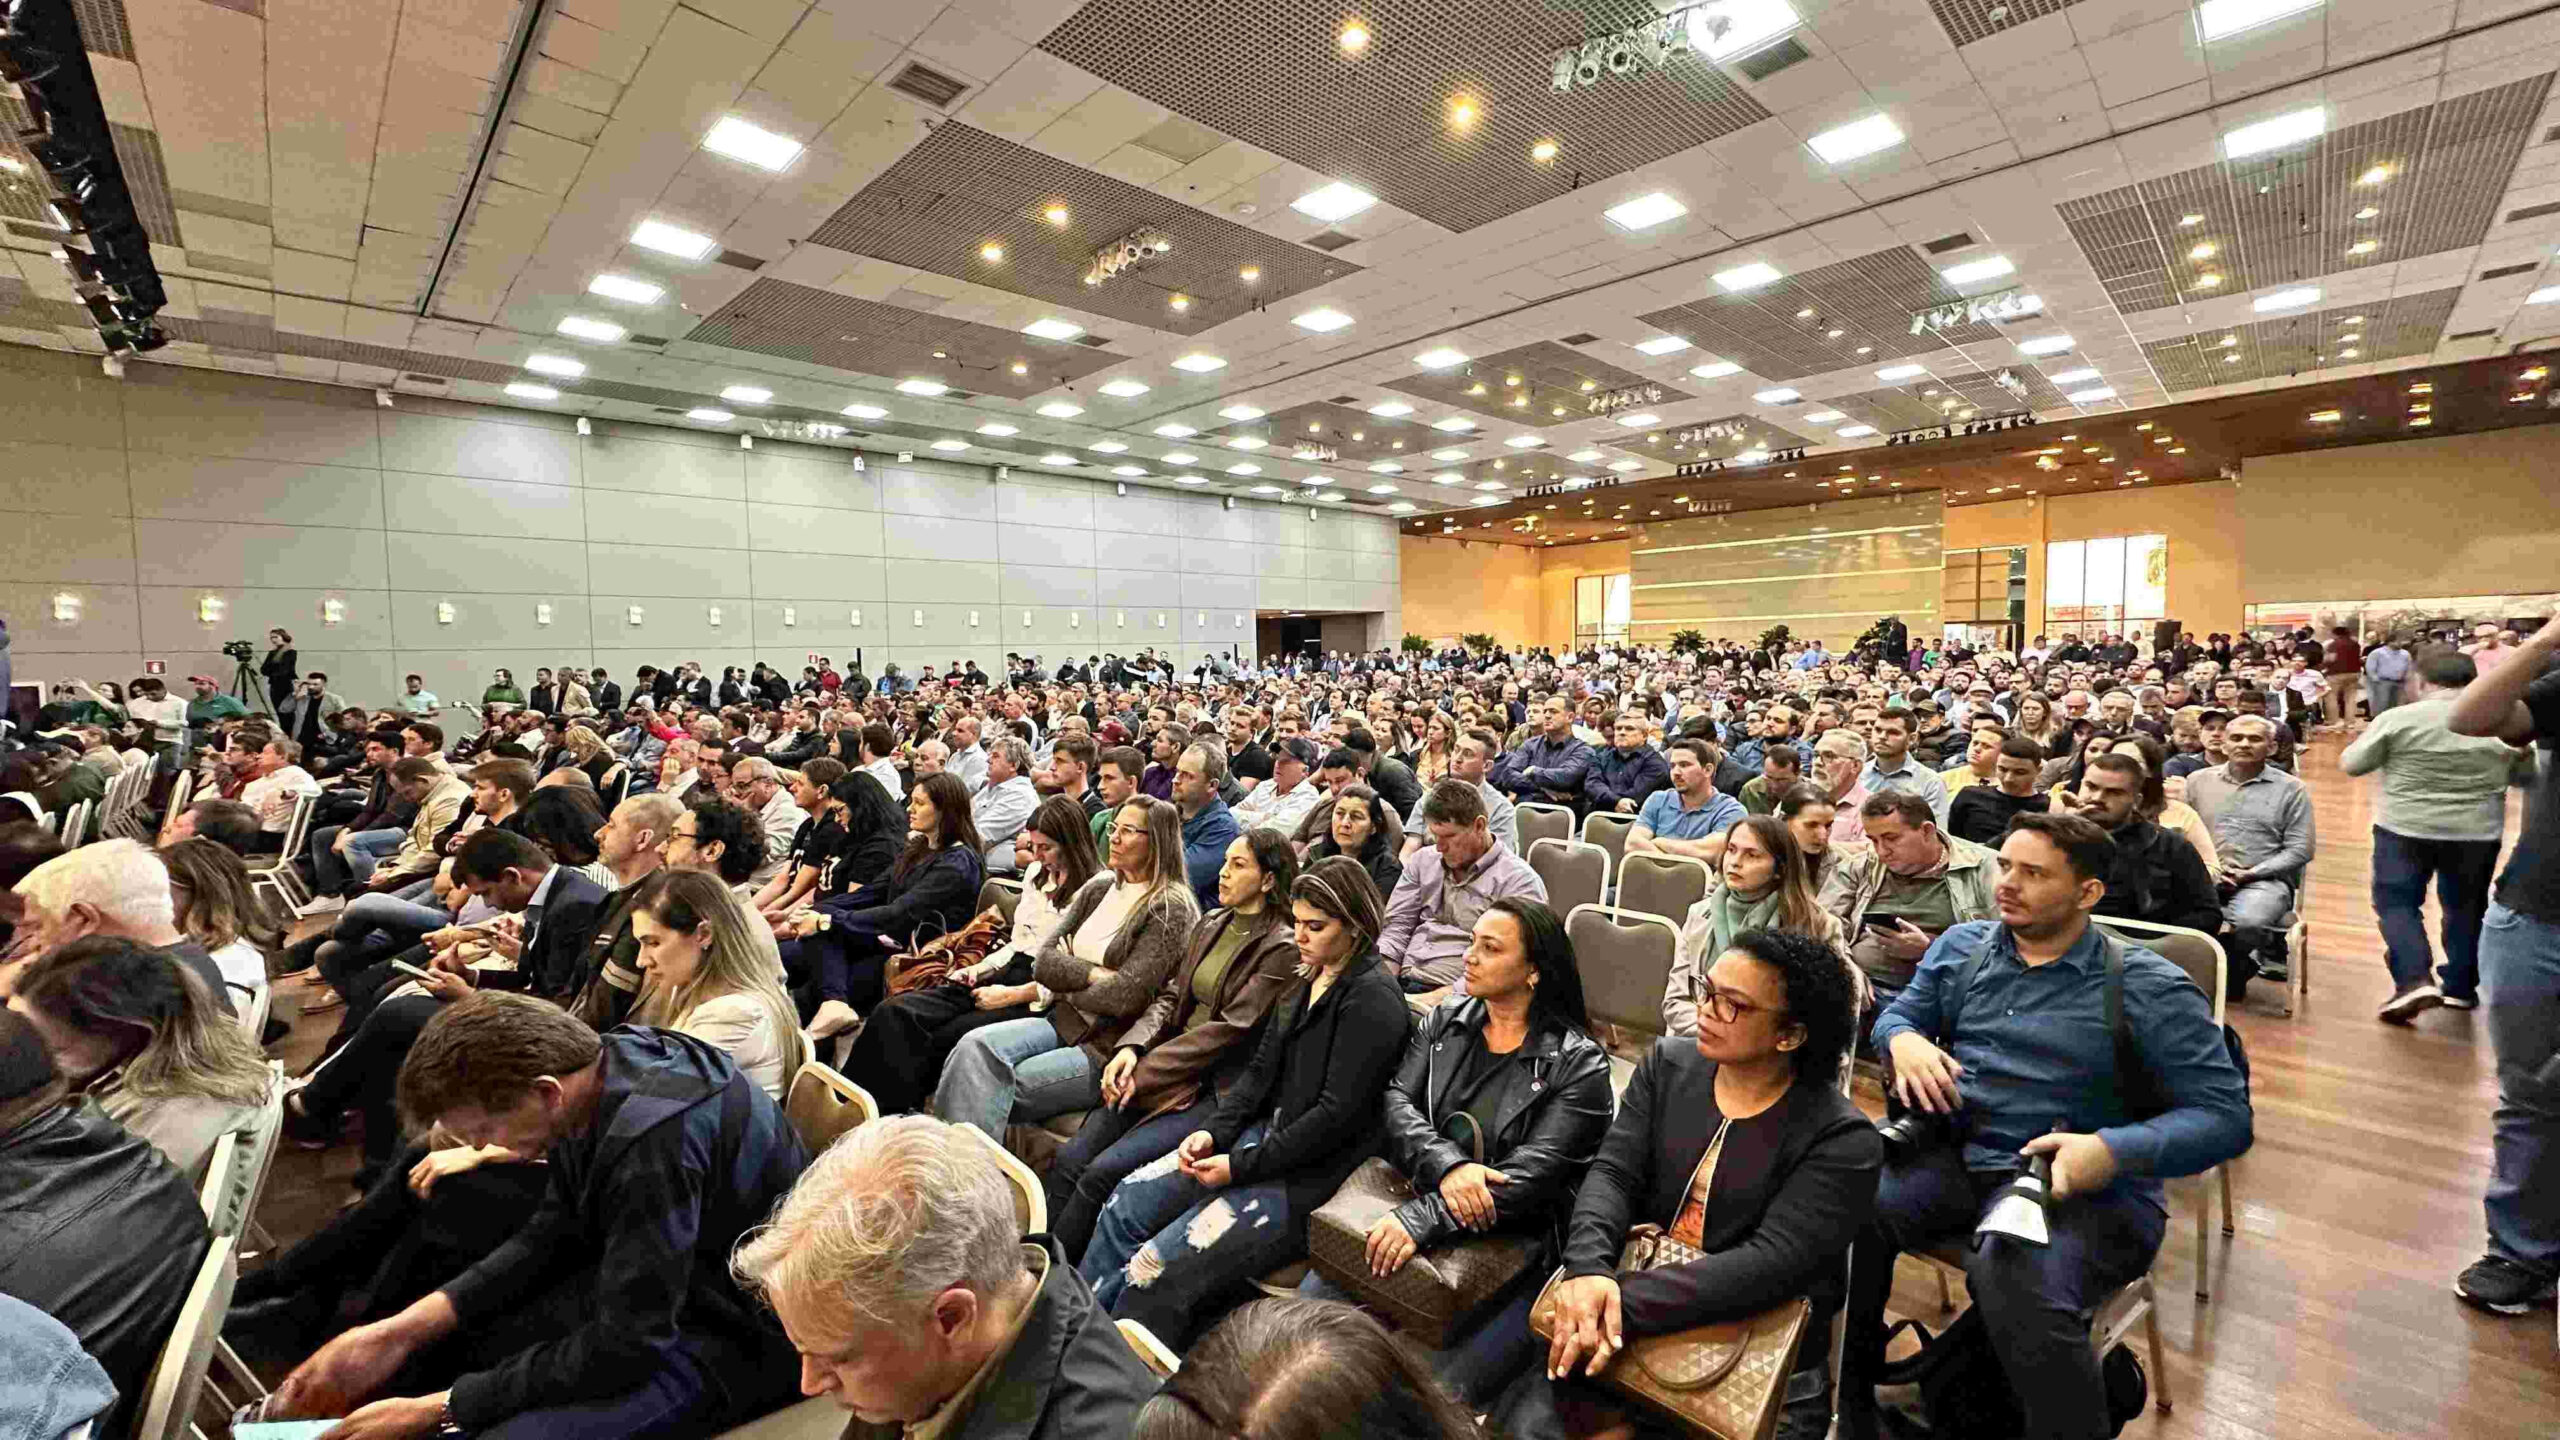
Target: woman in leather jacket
1509,1066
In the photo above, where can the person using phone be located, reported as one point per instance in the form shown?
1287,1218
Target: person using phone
1904,888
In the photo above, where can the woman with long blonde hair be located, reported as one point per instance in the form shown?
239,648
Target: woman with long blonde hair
1439,741
587,751
705,975
209,890
1764,882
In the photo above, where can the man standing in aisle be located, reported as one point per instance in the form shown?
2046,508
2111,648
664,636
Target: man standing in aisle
2519,702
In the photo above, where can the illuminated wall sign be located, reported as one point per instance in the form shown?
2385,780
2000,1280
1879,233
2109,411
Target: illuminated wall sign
2007,304
1610,401
1129,252
1701,434
1748,459
1969,427
1637,48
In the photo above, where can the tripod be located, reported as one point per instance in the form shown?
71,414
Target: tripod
250,689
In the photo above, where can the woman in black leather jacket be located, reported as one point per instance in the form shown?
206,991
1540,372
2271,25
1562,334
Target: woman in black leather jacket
1509,1060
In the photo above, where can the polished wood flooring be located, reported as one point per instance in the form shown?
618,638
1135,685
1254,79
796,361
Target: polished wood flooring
2333,1314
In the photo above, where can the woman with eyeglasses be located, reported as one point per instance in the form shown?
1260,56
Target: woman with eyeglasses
1739,1143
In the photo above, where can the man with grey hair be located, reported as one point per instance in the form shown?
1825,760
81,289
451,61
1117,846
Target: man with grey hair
116,888
2263,839
1003,806
929,757
757,785
1839,766
899,1268
1207,824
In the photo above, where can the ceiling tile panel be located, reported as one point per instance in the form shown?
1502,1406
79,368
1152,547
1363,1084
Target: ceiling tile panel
2288,347
1530,384
865,337
1782,330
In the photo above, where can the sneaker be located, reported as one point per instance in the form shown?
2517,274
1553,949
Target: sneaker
322,905
2274,969
2502,1287
2462,1002
2410,1002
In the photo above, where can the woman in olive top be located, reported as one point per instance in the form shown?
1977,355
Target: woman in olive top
1165,1078
1740,1144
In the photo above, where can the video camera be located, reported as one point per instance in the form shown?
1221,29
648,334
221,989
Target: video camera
240,650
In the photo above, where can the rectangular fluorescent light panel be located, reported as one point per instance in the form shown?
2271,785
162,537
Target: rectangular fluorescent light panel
2045,345
1125,389
1854,432
1645,211
1453,452
921,387
998,429
1716,371
1176,431
1453,425
2090,397
1523,442
623,287
950,444
1199,364
1586,456
1625,465
1440,359
554,365
1843,143
754,144
1894,373
710,414
746,394
669,240
1240,413
866,412
2275,134
1061,410
1972,271
2543,296
1106,447
1779,396
1390,409
2217,19
1323,320
1334,203
1745,277
1639,420
2287,299
1053,328
2074,377
603,332
1823,417
1662,345
523,391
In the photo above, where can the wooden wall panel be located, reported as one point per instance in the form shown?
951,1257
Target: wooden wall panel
1829,573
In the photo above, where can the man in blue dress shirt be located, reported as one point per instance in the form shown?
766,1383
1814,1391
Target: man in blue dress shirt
1692,816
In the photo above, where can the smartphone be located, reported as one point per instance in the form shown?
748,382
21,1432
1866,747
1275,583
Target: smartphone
412,971
1882,927
283,1429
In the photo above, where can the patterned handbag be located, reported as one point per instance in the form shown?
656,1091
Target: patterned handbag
1432,1296
1727,1379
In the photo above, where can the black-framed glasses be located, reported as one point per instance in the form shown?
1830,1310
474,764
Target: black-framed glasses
1731,1006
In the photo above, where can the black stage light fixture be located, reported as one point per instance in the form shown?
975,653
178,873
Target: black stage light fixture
42,54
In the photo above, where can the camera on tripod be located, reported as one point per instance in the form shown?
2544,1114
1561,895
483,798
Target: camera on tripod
240,650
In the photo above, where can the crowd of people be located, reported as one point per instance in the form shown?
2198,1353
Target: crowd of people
1267,961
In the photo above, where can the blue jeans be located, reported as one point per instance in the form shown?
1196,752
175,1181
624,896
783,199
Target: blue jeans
1109,1145
2381,695
1170,1253
331,872
2520,996
2462,870
1014,1071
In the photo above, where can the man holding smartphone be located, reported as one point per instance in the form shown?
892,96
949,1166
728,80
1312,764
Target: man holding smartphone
1906,887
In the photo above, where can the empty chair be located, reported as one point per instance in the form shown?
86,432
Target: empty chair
1664,885
1538,821
1625,959
1573,872
1609,832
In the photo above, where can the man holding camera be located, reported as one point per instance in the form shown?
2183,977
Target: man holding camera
2001,1050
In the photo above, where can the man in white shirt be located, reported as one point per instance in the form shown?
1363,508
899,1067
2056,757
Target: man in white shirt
969,762
1005,805
1284,802
755,784
879,748
277,781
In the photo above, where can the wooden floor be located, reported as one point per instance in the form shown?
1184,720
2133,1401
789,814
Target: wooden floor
2333,1314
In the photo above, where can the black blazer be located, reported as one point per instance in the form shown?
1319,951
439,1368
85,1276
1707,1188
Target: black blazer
554,964
1315,1078
1805,1201
1541,1144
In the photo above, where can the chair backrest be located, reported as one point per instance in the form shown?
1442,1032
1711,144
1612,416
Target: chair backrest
1609,832
823,1105
297,831
222,1186
617,785
255,1007
1538,821
75,823
1664,885
258,1146
181,789
1151,1351
1575,873
2193,951
1625,958
1003,895
169,1397
1030,1200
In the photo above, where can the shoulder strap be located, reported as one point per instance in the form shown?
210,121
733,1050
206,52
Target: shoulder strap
2130,1083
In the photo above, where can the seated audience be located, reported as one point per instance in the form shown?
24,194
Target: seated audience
1839,767
816,842
839,949
1691,816
1762,883
899,1269
277,785
97,1229
2263,841
707,978
1981,813
1283,801
611,1310
2153,875
1302,1368
1119,939
1471,758
756,786
227,823
2158,806
1176,1242
1430,919
1003,805
1629,771
1781,770
113,888
212,905
1994,1028
1199,771
1357,827
1738,1143
1896,894
1551,765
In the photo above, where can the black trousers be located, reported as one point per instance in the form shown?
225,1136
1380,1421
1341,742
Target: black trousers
898,1056
390,1248
365,1074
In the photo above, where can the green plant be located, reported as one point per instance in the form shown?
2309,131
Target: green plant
1415,645
1478,640
1688,642
1775,637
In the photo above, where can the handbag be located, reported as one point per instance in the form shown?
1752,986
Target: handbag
932,962
1727,1379
1433,1295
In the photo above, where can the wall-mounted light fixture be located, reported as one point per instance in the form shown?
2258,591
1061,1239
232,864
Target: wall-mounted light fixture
66,608
857,617
209,609
1159,619
444,612
542,612
715,617
1075,619
790,616
333,612
1026,619
635,614
919,619
973,619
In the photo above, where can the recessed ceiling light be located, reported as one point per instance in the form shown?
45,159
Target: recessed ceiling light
2376,175
992,253
1333,203
999,429
2349,353
523,390
1716,371
1645,211
2350,338
1246,468
754,144
1523,442
1854,432
1440,359
669,240
1489,485
1453,425
2190,218
2203,250
1126,469
1987,268
2367,213
1107,447
1323,320
2220,19
1180,457
2208,281
603,332
1175,430
1058,457
1052,328
1382,488
2543,296
2287,299
1844,143
1199,364
1823,417
921,386
1403,507
746,394
1662,345
1745,277
2090,397
623,287
1179,301
1447,477
1896,373
1735,28
1385,467
2073,377
1454,452
709,414
1623,466
1639,420
1190,479
1125,389
866,412
1061,410
1390,409
1485,500
1781,395
1353,37
950,444
2364,247
554,365
1585,456
2045,345
2291,128
1057,215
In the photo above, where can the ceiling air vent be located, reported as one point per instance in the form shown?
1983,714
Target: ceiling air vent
2470,335
668,410
1945,243
414,378
1765,63
655,341
930,86
957,396
1344,400
2533,212
2551,134
1332,240
741,261
1096,341
2503,271
1585,338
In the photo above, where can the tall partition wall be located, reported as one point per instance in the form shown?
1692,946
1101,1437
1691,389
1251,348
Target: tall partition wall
1829,570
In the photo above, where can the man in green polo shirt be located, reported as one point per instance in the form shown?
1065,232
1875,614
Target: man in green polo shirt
1117,779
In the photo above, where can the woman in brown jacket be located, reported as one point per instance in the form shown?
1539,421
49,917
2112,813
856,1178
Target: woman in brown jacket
1121,937
1164,1080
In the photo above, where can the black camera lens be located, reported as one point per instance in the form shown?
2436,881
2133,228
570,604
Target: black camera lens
1913,1130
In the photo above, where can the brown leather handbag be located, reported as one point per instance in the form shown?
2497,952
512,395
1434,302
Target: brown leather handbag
1432,1296
1727,1379
933,962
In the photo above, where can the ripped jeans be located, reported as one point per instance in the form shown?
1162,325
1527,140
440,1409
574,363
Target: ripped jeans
1170,1254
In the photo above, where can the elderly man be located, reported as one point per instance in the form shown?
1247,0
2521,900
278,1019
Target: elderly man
1839,765
1471,758
1629,772
277,783
1004,804
613,1311
1282,802
120,889
1692,816
899,1270
1447,887
2263,835
755,784
1907,886
1207,824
